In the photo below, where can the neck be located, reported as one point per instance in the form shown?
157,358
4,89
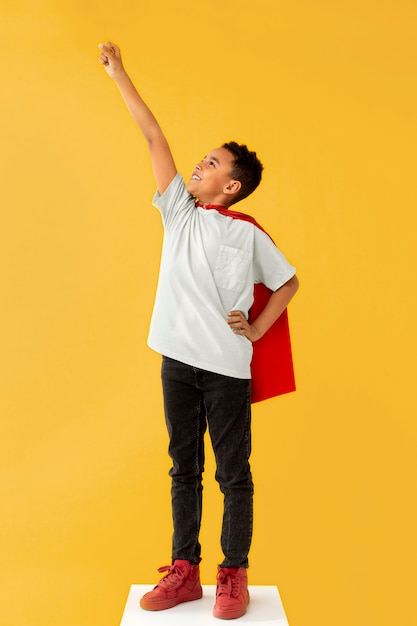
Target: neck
210,205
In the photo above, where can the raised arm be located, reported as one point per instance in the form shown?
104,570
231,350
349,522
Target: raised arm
161,157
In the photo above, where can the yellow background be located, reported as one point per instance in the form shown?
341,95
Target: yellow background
325,92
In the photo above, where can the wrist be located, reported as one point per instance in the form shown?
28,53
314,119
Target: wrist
120,76
255,334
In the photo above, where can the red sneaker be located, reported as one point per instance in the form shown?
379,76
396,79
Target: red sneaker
232,595
180,584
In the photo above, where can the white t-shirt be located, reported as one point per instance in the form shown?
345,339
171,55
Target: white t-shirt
209,265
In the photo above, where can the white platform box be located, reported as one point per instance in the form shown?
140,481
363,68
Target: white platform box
265,608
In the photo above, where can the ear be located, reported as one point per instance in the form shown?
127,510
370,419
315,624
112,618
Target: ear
232,187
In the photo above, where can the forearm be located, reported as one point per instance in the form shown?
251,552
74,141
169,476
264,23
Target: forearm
139,110
276,304
254,330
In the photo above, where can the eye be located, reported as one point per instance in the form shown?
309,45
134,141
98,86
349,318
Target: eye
212,163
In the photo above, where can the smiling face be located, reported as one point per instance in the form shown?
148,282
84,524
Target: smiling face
211,180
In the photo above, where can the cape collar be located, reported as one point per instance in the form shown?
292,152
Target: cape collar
237,215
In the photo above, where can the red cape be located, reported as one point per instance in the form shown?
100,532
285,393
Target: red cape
272,365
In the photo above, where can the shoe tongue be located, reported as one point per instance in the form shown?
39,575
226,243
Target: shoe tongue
229,571
223,574
181,563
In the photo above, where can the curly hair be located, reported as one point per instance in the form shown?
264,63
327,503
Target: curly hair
247,169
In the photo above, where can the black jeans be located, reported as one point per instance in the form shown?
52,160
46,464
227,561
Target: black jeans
193,399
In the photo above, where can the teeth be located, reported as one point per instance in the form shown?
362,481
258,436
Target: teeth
195,177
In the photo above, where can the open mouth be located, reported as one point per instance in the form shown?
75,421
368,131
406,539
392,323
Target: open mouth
195,177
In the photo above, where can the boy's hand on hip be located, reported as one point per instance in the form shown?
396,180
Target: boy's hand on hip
111,58
240,326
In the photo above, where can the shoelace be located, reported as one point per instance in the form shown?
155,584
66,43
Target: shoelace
227,584
174,576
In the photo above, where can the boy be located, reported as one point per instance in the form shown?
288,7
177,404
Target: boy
200,325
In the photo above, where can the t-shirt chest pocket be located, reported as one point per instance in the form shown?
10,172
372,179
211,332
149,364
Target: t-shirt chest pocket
231,268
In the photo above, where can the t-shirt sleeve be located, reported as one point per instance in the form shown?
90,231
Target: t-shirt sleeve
174,201
270,266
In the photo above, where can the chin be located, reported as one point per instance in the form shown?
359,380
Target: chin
192,189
